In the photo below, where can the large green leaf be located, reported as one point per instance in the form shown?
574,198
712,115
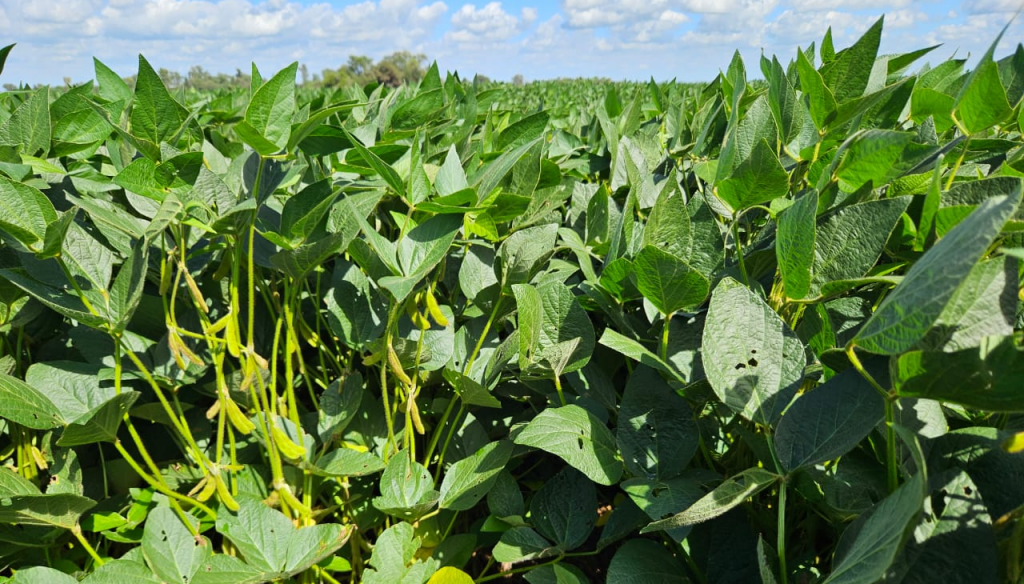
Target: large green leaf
556,335
577,437
406,488
906,315
23,404
753,361
61,510
866,224
985,377
155,116
731,493
468,480
829,421
668,282
758,179
847,75
867,548
794,249
564,510
656,433
170,549
270,110
24,214
29,125
643,561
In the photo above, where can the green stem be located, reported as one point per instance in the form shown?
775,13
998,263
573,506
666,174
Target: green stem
664,337
77,532
780,542
890,444
558,388
739,252
519,570
959,161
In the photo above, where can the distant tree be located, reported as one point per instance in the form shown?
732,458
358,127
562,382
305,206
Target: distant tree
401,67
517,80
304,73
481,78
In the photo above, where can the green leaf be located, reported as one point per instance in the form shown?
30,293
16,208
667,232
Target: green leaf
955,524
346,462
4,53
406,488
522,254
524,131
634,350
57,510
643,561
56,233
577,437
820,100
225,569
564,510
29,125
794,248
382,168
553,328
468,480
760,178
669,282
870,157
425,245
847,75
829,421
339,404
23,404
170,549
663,499
271,108
111,86
984,305
126,291
753,361
982,101
867,548
668,226
25,213
487,179
155,116
906,314
393,556
522,543
868,224
128,570
41,575
723,498
656,432
984,377
450,575
451,178
260,533
560,573
13,484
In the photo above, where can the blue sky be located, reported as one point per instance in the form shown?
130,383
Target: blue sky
621,39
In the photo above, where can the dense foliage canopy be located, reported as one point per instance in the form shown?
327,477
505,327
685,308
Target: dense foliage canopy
570,331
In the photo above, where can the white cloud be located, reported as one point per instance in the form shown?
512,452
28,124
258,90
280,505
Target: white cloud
488,25
988,6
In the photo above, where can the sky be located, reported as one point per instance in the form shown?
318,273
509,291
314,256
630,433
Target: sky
690,40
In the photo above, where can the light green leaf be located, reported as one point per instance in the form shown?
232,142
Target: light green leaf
820,100
753,361
25,213
23,404
57,510
870,157
982,102
522,253
170,550
726,496
668,282
906,314
271,108
556,335
450,575
155,116
758,179
634,350
847,75
111,86
407,490
41,575
346,462
468,480
522,543
425,245
794,248
577,437
29,125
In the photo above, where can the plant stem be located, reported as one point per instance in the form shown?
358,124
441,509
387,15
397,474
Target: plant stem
780,541
890,444
77,532
739,252
664,337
